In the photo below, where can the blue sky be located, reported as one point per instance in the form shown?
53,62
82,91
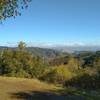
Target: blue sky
56,22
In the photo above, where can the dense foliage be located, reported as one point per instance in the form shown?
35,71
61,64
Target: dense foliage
20,63
58,75
79,70
11,8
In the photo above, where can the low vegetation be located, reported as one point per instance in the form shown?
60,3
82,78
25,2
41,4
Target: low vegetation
80,71
32,89
57,75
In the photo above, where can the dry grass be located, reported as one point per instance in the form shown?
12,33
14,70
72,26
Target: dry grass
32,89
9,85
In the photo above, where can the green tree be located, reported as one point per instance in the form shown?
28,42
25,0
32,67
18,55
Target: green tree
6,59
73,64
21,45
58,75
11,8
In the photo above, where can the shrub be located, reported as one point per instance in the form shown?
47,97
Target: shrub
86,79
58,75
38,71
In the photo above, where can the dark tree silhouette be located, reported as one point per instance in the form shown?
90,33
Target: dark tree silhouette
11,8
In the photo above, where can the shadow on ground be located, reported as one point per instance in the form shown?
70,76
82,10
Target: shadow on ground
37,95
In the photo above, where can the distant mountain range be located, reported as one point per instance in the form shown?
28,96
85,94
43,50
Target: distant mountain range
57,50
77,48
36,51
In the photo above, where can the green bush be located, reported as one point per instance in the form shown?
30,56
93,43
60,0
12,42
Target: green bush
58,75
87,79
38,71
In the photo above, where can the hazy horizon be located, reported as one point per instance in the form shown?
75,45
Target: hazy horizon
49,44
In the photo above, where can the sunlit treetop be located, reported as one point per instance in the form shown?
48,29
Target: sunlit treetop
11,8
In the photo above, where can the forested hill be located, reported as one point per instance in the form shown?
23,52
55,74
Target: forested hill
43,52
52,66
36,51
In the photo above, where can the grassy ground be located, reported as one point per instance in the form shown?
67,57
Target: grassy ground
28,89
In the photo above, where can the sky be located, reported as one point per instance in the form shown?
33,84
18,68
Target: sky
54,22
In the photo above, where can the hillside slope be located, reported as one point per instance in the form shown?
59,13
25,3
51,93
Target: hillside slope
27,89
31,89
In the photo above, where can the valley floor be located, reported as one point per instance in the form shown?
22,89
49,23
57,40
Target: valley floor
31,89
